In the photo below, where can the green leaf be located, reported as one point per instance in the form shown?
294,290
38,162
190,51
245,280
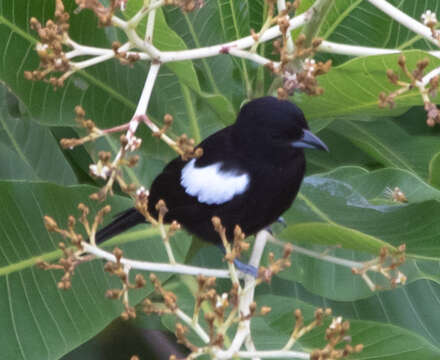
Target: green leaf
166,39
389,144
46,322
380,340
358,201
352,89
358,22
99,85
333,235
434,171
401,307
28,151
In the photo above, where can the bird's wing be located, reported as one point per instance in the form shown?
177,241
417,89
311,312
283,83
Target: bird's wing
204,180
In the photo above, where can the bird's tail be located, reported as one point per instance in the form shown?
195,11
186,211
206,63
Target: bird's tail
122,222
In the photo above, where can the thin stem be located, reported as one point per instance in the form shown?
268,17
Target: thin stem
250,346
252,56
427,78
142,45
404,19
142,106
243,43
281,5
271,354
195,326
332,259
151,19
153,266
166,243
246,298
93,61
353,50
144,11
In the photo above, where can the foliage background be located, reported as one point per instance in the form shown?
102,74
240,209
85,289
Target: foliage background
342,200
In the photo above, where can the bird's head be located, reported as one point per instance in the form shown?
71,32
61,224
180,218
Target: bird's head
275,123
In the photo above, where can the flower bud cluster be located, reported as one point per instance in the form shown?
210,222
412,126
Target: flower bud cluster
387,264
415,78
118,269
50,48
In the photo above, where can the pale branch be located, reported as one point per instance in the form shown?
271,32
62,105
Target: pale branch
195,326
252,56
139,114
246,297
142,106
243,43
151,19
92,61
356,50
427,78
144,11
153,266
321,256
273,354
353,50
250,346
236,48
281,5
404,19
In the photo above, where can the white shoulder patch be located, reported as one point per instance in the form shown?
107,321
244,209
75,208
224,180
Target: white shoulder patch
211,185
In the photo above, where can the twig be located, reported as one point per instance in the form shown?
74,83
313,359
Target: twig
195,326
332,259
153,266
281,5
246,298
404,19
427,78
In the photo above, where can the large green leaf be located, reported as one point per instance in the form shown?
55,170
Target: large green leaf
94,86
358,22
389,144
411,307
46,322
28,151
352,89
434,171
380,340
352,198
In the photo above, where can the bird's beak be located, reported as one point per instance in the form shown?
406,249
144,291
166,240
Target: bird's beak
311,141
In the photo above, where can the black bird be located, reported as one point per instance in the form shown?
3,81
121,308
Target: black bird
248,175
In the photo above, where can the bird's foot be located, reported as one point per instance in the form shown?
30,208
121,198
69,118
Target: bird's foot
246,268
281,221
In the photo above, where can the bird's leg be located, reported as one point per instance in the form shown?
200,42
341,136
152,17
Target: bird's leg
246,268
280,220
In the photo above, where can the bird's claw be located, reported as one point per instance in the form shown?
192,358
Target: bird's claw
246,268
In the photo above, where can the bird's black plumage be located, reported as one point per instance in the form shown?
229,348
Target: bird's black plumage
259,161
